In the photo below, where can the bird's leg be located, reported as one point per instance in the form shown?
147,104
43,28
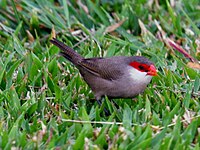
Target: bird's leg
107,113
99,102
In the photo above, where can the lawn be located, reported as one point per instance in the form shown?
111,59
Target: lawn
45,104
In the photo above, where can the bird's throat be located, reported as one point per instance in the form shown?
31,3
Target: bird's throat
139,77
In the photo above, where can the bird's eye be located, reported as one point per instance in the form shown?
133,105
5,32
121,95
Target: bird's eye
141,67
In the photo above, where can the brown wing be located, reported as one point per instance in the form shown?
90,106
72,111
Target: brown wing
103,67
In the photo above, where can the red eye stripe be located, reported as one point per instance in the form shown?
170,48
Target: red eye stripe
140,67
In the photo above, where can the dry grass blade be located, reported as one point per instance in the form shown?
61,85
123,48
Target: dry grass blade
53,32
174,45
193,65
180,49
114,26
133,124
84,7
30,36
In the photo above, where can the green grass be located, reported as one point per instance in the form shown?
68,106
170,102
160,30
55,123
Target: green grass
41,92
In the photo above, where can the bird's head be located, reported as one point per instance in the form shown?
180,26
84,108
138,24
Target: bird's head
143,70
149,69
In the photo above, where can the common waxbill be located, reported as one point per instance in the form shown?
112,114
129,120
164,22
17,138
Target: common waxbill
115,77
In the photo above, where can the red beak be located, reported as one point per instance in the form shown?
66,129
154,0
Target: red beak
152,71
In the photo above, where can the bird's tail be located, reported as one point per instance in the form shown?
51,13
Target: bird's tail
67,52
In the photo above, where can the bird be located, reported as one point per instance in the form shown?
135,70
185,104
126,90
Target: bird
114,77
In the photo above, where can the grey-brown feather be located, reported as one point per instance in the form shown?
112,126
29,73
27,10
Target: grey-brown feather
106,76
110,76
